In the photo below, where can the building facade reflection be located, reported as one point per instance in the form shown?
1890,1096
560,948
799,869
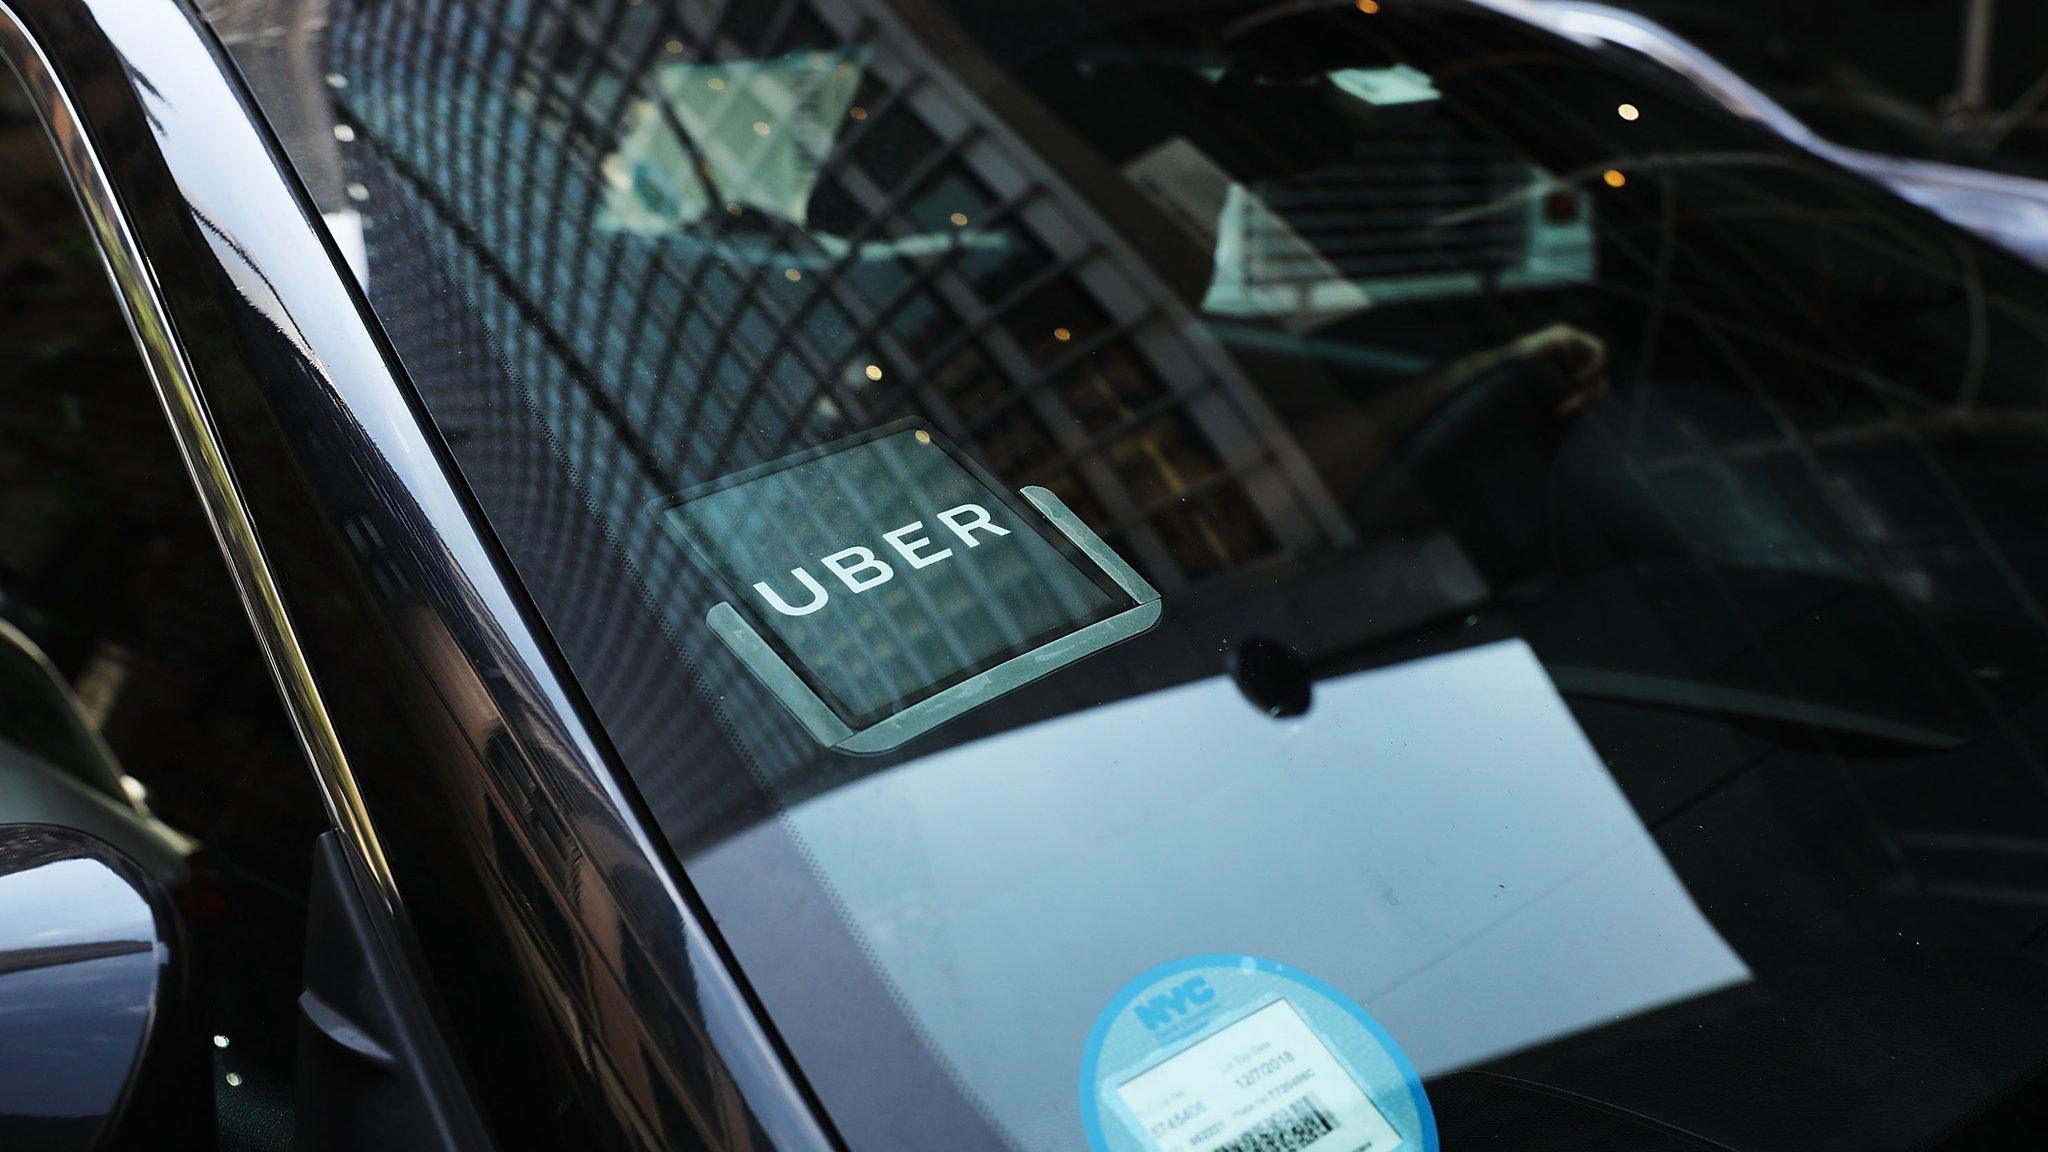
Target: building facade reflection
740,232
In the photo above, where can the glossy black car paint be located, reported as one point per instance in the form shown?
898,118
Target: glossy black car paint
91,970
590,1004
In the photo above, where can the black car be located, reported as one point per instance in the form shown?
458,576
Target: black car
906,575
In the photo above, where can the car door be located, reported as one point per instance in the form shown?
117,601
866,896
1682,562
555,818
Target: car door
135,710
505,936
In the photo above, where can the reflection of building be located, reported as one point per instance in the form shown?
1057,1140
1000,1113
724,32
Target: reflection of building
691,330
697,248
976,288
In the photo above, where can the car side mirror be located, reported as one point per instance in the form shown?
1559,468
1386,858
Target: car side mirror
86,964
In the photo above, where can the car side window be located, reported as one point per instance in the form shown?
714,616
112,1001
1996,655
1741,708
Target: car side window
134,702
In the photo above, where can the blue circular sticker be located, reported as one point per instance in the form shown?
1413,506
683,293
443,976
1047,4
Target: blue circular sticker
1229,1053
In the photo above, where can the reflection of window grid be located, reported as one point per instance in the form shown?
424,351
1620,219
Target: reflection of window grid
631,350
541,105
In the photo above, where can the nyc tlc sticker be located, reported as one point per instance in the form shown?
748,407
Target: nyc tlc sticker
1240,1054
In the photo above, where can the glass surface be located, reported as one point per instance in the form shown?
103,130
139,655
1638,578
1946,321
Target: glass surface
1601,554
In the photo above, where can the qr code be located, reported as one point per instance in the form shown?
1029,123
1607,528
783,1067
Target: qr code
1291,1129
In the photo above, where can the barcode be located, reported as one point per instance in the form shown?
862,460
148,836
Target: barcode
1291,1129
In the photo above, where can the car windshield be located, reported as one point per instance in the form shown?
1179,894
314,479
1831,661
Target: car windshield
1039,493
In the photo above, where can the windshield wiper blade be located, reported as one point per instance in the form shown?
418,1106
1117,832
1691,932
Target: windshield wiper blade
1682,695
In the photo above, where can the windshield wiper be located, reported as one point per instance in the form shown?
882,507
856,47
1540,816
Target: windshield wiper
1682,695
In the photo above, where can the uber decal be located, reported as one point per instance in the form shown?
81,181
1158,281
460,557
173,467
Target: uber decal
884,584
